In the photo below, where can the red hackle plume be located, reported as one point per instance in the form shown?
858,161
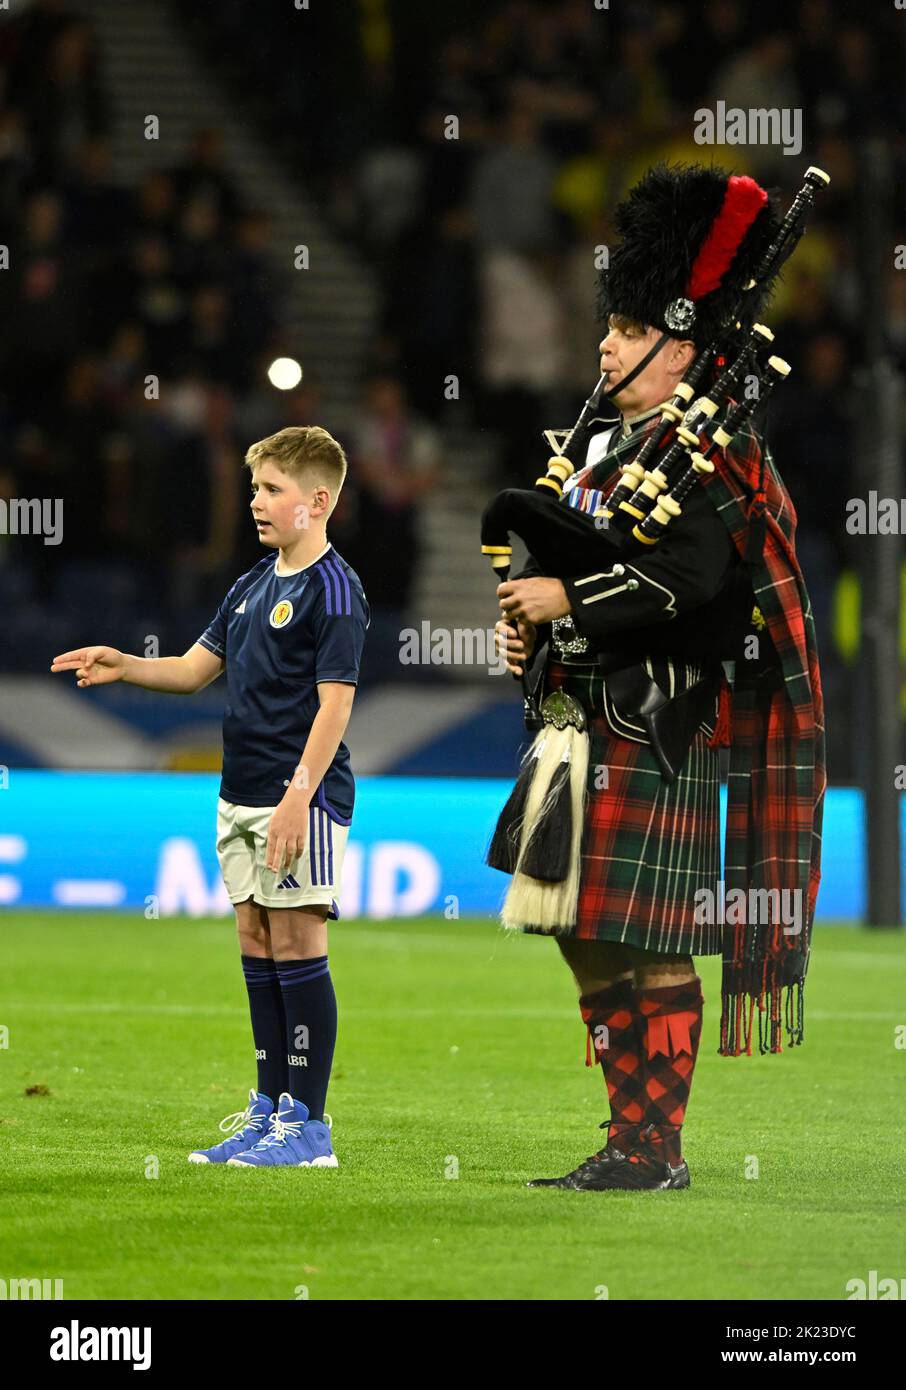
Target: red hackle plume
742,203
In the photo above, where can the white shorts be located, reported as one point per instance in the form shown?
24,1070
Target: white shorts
311,880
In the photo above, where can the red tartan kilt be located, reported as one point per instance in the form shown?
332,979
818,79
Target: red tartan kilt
648,845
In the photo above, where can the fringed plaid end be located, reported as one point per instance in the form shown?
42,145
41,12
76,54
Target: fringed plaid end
795,1033
734,1037
737,1013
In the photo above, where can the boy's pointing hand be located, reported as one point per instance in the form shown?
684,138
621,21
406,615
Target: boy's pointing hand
92,665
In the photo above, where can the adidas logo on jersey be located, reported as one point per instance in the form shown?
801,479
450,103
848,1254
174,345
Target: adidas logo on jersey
288,882
241,608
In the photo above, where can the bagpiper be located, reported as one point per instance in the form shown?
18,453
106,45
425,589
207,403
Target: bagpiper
663,580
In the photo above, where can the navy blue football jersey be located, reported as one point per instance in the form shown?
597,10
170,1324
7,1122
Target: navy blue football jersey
279,636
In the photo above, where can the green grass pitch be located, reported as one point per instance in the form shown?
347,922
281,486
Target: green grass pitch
459,1051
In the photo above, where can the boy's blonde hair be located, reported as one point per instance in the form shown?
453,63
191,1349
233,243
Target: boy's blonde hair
303,450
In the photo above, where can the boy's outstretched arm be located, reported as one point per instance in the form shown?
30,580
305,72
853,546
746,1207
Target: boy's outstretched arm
176,675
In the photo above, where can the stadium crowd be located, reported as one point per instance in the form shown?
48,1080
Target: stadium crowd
472,158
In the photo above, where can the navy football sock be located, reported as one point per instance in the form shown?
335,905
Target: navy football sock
268,1023
310,1006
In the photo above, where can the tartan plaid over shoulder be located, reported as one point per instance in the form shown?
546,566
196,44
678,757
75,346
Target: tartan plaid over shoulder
777,776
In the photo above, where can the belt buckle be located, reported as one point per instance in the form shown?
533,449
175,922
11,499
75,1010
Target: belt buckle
564,638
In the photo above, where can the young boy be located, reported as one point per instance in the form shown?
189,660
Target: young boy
290,634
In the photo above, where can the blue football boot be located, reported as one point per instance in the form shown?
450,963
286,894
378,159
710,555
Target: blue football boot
248,1125
294,1141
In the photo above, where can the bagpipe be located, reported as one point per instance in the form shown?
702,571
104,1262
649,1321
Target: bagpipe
538,835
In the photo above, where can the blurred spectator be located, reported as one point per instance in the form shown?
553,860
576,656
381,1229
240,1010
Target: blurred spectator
434,307
201,251
202,176
524,358
66,105
814,56
96,208
591,183
40,301
396,461
156,300
814,433
209,341
718,33
511,194
254,311
155,204
389,184
124,364
82,428
15,164
204,498
761,77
